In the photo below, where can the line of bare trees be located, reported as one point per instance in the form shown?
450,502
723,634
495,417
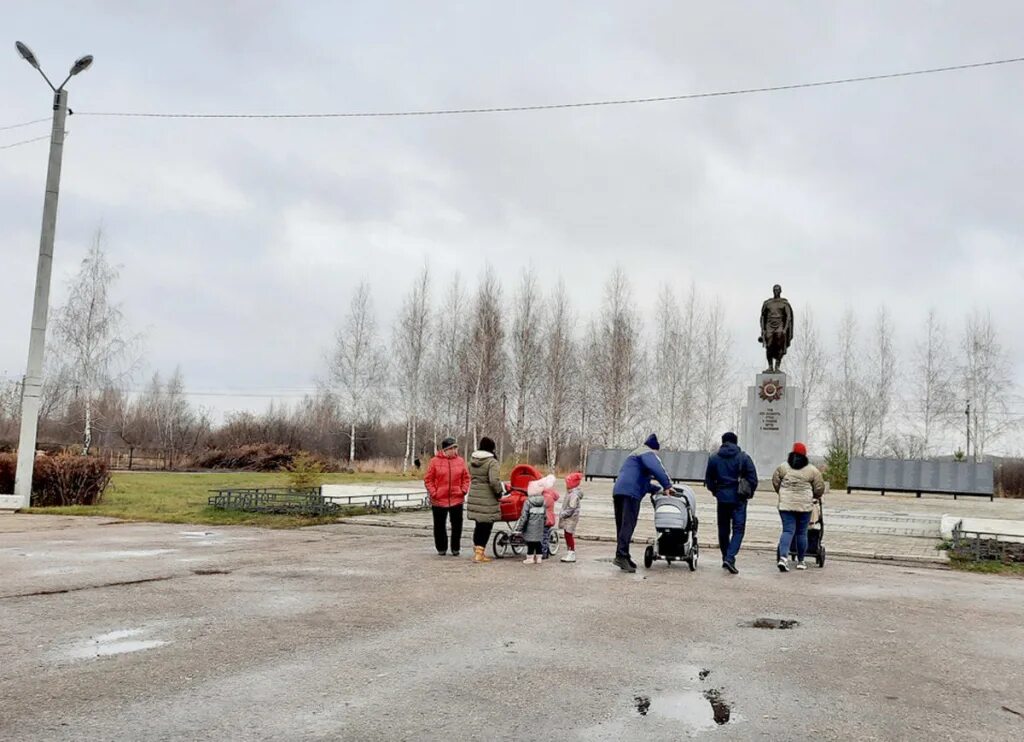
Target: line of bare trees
526,367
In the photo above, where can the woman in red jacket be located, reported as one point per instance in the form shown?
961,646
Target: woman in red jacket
447,481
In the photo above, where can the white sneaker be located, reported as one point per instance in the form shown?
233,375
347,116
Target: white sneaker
801,565
783,564
528,560
569,557
537,558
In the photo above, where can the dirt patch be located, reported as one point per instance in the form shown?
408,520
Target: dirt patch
721,708
643,704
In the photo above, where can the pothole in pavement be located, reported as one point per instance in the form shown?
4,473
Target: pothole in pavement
113,643
771,623
699,710
202,572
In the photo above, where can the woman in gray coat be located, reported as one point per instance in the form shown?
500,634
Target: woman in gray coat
485,489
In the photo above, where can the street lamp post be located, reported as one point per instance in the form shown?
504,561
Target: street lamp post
32,386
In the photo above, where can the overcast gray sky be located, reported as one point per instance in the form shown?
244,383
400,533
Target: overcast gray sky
240,241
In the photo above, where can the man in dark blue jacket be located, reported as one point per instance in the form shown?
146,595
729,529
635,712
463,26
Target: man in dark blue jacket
631,486
725,471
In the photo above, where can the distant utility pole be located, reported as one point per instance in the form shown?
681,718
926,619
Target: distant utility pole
967,412
33,383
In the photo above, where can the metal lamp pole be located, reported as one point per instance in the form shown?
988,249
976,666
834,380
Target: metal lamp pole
32,387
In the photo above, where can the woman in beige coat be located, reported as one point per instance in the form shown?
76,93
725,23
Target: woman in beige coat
799,484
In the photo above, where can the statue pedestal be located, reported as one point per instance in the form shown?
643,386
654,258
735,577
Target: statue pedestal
773,420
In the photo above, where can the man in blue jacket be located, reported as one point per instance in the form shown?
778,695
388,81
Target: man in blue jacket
631,486
725,471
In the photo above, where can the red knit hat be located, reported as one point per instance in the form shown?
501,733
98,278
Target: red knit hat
800,448
573,480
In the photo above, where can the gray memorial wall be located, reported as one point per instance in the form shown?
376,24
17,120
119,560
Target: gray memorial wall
682,466
931,477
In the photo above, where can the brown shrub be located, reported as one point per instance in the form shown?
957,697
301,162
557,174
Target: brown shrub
62,479
258,457
1009,477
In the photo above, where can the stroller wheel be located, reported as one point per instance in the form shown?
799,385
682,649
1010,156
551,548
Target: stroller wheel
821,556
518,545
648,557
499,545
694,556
553,542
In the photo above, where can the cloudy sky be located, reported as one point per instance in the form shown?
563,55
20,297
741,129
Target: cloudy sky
240,241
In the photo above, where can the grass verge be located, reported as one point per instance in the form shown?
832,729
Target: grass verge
181,497
987,567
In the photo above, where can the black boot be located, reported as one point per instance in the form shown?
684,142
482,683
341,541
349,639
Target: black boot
624,564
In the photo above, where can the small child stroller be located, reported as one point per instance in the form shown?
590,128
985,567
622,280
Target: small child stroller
815,535
675,520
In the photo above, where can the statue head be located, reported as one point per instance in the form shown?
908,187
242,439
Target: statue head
777,291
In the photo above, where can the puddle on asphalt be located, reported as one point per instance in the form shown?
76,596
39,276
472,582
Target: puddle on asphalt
115,642
699,710
197,534
771,623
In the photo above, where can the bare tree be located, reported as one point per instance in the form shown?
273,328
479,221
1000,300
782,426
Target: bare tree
445,390
485,357
616,365
932,384
881,380
716,381
90,335
558,372
808,361
524,363
987,382
675,366
846,418
358,366
411,340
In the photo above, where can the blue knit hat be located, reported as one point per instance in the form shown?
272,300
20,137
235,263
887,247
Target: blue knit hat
652,442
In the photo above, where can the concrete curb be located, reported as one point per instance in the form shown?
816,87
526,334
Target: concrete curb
939,560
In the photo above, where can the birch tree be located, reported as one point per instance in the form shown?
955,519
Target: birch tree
485,358
881,380
616,364
932,383
558,372
90,335
716,377
524,362
986,381
358,366
809,362
445,390
412,336
845,415
675,367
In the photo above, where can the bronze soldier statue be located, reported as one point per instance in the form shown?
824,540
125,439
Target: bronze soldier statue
776,329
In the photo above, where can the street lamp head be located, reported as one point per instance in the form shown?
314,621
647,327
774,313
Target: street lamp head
27,54
81,64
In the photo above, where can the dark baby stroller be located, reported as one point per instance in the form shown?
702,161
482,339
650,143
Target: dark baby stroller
675,520
815,536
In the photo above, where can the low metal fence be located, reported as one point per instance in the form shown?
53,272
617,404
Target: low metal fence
311,501
281,500
981,546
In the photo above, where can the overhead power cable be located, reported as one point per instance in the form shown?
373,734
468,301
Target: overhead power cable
24,141
23,123
554,106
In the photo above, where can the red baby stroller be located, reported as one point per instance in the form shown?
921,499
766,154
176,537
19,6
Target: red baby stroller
511,508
